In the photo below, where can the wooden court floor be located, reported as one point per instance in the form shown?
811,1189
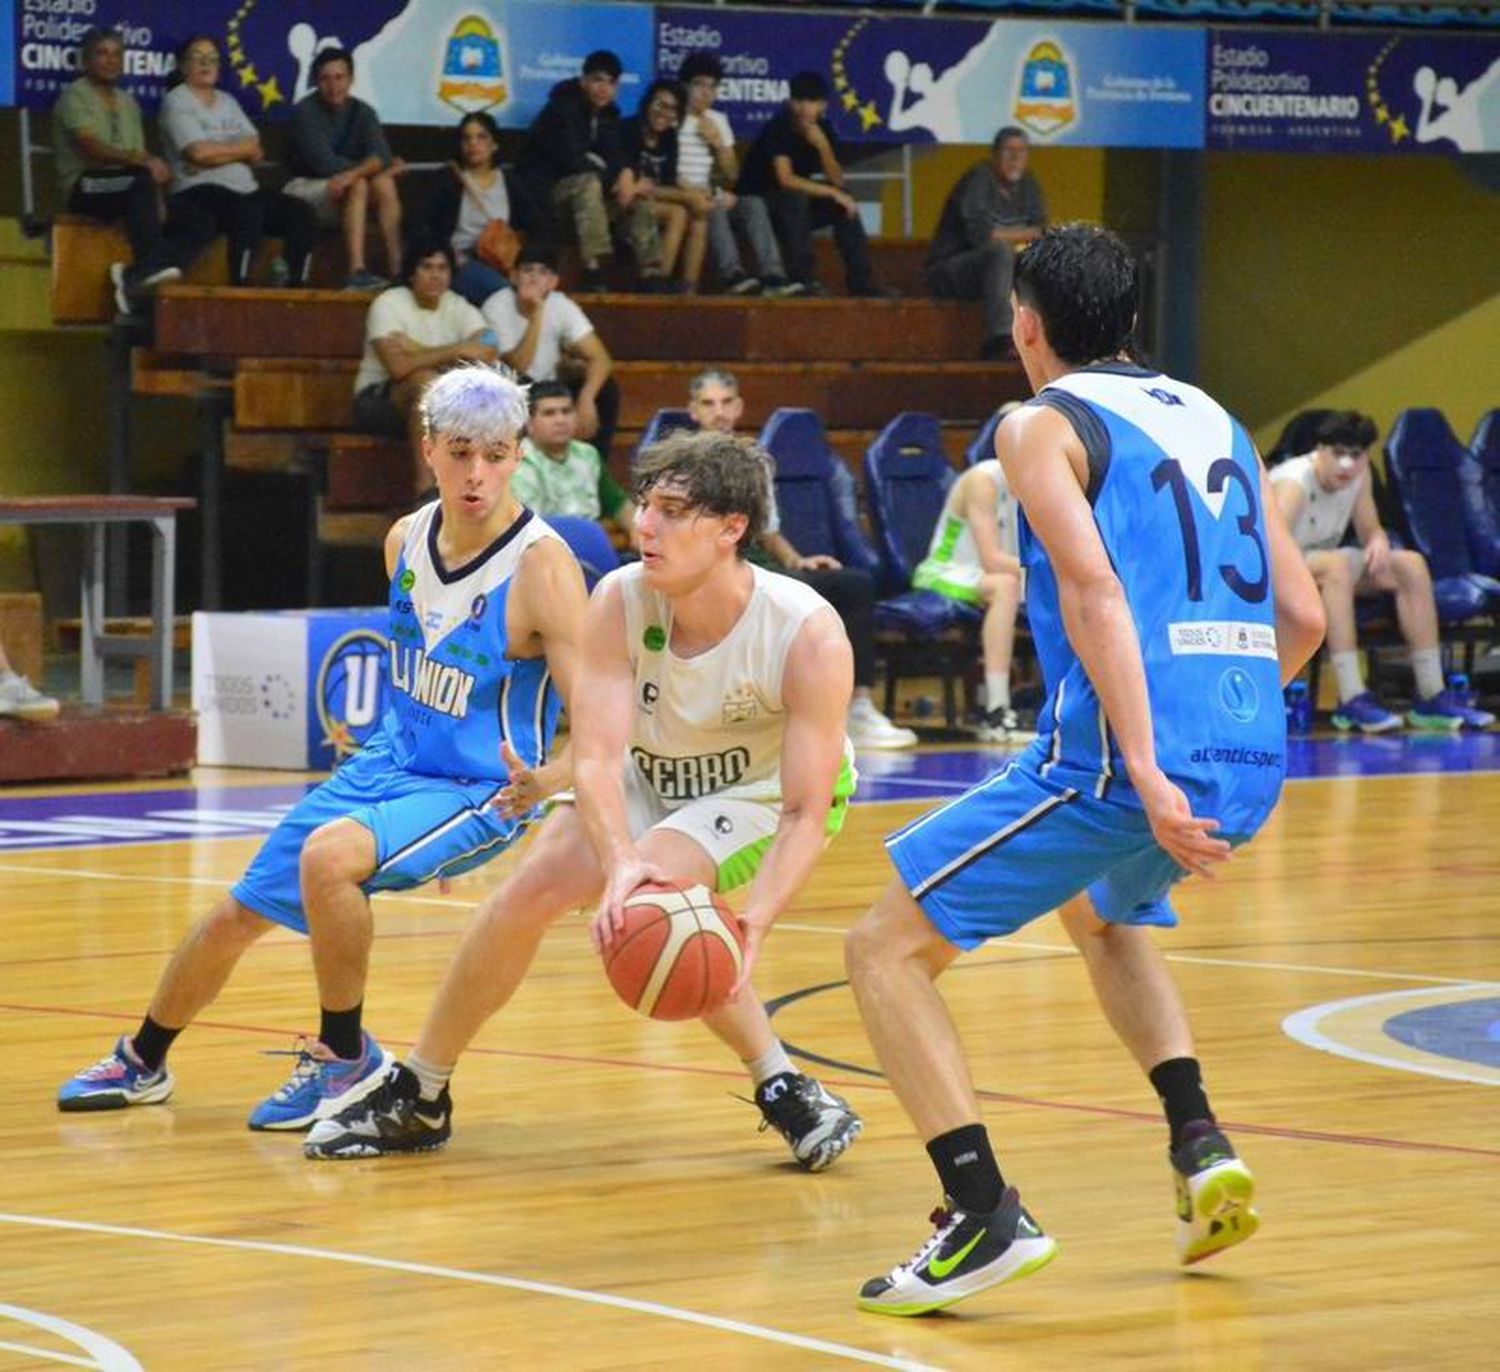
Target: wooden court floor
608,1203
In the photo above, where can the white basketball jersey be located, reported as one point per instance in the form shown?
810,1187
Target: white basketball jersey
953,543
712,724
1325,515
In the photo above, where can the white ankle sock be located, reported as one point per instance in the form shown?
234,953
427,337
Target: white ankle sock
430,1077
997,690
1346,668
1427,667
772,1063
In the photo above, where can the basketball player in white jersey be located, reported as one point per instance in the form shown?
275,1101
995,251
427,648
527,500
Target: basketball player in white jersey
973,559
708,748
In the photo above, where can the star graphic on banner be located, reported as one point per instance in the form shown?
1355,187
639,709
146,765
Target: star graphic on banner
850,100
840,82
248,75
270,94
1399,130
1382,115
867,117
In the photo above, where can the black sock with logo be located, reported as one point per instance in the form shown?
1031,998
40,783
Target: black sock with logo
967,1168
1179,1084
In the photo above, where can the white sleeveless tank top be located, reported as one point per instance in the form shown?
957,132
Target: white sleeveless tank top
712,724
1325,515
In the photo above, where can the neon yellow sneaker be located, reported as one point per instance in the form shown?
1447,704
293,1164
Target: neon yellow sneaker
966,1253
1214,1194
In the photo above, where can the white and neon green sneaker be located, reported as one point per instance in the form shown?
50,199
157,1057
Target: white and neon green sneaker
1214,1194
966,1253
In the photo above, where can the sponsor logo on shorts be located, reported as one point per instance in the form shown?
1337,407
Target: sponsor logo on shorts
688,778
1229,637
723,824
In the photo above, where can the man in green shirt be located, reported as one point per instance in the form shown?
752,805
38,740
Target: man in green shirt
105,171
561,475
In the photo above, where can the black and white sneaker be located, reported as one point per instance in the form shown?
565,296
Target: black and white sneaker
816,1124
966,1253
741,284
393,1118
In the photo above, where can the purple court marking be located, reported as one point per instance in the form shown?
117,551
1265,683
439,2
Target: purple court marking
115,817
218,811
1468,1030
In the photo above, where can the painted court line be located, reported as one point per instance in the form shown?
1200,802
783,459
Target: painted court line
538,1288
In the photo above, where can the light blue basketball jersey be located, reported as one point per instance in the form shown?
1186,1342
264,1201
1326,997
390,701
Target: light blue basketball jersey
1175,489
454,694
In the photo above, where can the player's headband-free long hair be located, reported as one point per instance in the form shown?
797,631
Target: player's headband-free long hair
712,471
484,404
1082,281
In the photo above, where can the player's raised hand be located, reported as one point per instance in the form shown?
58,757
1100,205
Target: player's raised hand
523,791
627,876
1188,840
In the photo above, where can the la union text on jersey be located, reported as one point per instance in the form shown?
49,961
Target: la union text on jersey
455,694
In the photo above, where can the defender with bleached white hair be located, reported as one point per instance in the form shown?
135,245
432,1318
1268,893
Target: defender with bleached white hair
486,606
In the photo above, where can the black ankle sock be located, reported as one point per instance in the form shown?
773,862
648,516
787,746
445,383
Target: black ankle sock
340,1031
1179,1083
151,1042
967,1168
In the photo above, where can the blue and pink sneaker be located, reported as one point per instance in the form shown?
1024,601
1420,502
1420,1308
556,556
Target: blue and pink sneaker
114,1082
321,1085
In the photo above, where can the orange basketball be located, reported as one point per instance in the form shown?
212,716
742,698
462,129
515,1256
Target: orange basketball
679,953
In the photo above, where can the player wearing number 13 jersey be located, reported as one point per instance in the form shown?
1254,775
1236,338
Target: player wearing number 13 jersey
1168,604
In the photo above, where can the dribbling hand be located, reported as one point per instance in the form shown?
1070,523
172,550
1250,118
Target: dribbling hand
609,921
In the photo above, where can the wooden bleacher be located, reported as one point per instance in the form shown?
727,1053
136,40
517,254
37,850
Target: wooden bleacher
282,364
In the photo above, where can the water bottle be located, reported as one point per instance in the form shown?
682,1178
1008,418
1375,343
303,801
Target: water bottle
1458,688
1298,708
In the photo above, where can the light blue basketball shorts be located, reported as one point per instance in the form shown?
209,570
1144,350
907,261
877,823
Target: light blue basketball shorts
1016,846
424,826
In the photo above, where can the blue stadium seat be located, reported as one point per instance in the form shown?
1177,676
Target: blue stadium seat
1479,473
810,515
983,445
659,426
907,477
590,544
1422,462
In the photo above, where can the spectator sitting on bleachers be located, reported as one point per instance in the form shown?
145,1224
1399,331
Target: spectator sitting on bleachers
794,166
472,193
545,336
993,212
211,145
649,138
574,163
19,699
973,558
714,402
1320,493
559,474
707,165
412,332
105,171
340,161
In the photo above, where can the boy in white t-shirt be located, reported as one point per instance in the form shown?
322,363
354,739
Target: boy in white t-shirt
412,332
706,163
543,334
